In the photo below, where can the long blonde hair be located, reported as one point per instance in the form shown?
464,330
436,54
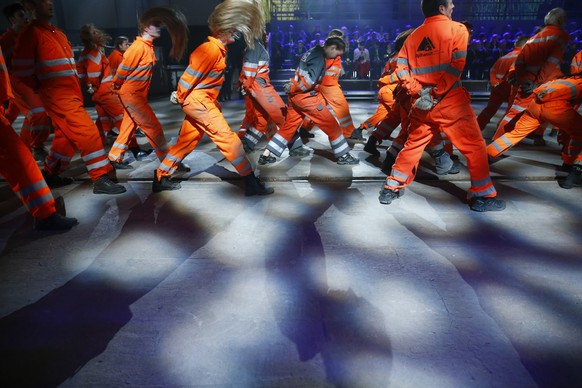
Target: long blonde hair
238,15
176,24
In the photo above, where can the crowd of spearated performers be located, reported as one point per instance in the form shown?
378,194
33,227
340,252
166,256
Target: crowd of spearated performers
420,91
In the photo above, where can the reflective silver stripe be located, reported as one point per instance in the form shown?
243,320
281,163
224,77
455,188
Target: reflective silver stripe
431,69
96,59
118,146
56,62
35,202
277,145
194,73
306,76
460,54
3,67
139,68
399,175
58,74
403,73
482,193
454,72
570,85
36,110
207,86
340,146
97,164
94,155
392,182
402,61
32,188
63,158
185,84
554,60
109,78
94,74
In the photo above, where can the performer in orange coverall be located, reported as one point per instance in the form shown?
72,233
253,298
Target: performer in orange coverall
198,90
21,172
36,126
429,67
262,101
305,100
43,61
388,82
538,62
134,76
121,45
555,102
331,91
95,74
499,83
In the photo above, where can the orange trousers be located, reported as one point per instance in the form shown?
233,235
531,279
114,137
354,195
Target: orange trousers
204,116
385,103
454,116
514,111
335,98
74,130
36,127
314,106
264,108
21,172
138,114
559,113
109,111
499,94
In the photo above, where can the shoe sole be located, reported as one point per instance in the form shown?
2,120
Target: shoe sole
109,191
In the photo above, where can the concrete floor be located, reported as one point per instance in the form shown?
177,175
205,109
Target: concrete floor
317,285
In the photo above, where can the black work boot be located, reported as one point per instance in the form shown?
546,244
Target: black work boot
55,222
54,181
388,163
574,177
255,186
140,153
370,146
104,185
387,195
164,184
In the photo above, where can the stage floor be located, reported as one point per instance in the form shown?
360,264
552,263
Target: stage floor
318,285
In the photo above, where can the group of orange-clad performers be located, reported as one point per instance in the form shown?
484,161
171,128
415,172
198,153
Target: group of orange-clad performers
419,91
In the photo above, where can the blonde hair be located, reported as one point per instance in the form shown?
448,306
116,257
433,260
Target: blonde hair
176,24
238,15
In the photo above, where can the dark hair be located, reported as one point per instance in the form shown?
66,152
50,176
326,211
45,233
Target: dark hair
431,7
335,41
11,9
521,41
119,40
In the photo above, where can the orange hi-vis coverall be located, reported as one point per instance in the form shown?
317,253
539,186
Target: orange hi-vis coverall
500,86
17,165
36,126
43,61
304,100
93,68
434,56
387,83
332,92
576,64
115,59
538,62
265,101
555,102
133,79
197,92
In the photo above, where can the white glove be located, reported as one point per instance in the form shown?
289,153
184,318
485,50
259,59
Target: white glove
174,98
426,100
90,89
287,87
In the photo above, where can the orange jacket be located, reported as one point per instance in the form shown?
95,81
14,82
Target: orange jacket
115,59
388,75
576,64
43,58
255,66
7,41
333,70
539,60
134,74
205,69
93,68
500,70
433,55
310,71
5,88
569,89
